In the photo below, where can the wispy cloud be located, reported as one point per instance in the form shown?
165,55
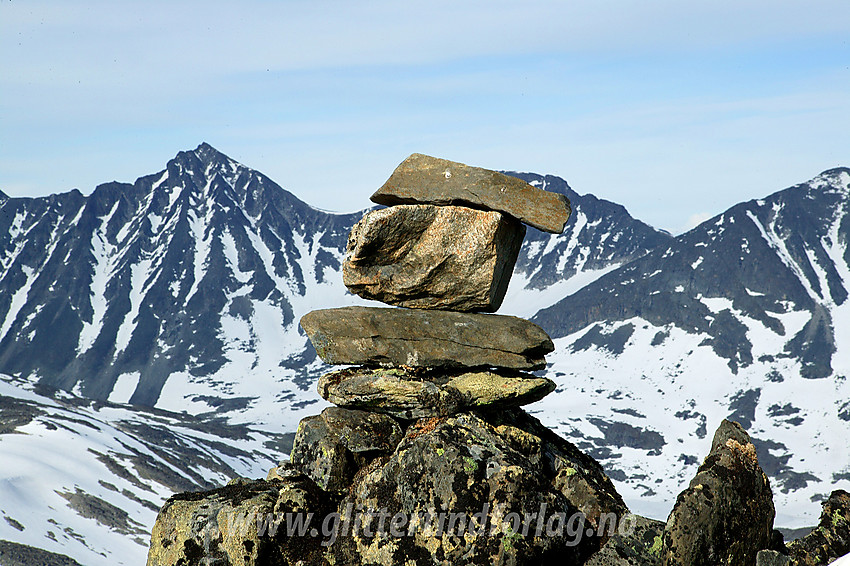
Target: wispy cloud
667,107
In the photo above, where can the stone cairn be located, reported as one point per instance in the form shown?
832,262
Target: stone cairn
427,457
444,250
427,381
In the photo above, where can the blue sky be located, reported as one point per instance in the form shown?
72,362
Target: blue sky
676,110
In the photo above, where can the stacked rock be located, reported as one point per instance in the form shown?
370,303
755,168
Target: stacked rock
444,251
427,457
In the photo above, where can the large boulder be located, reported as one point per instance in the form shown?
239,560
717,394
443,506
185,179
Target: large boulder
409,394
412,337
461,490
241,524
330,448
433,257
421,179
830,539
726,514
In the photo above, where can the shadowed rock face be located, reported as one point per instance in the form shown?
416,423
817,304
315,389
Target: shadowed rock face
433,257
830,539
408,394
387,336
422,179
726,515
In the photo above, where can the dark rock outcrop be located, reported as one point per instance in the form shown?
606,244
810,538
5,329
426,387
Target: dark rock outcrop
433,257
16,554
496,486
726,514
421,179
330,448
409,394
830,539
772,558
420,338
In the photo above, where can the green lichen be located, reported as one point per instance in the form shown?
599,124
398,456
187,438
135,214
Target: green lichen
657,543
440,451
509,538
469,464
837,517
570,472
390,371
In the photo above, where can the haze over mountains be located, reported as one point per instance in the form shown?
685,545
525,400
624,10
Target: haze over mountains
183,292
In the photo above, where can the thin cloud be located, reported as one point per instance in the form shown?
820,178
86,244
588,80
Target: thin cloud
666,107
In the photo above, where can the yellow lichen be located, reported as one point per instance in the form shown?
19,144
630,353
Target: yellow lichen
657,544
745,451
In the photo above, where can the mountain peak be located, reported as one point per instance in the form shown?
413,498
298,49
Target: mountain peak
208,153
208,157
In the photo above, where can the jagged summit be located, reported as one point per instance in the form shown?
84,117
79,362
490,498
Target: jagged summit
170,274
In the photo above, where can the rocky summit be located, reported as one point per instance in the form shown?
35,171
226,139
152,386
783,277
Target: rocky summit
425,338
437,257
422,179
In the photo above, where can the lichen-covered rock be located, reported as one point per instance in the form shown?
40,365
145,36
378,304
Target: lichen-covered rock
433,257
460,490
726,514
455,490
242,524
636,542
576,475
421,179
830,539
410,394
772,558
330,448
425,338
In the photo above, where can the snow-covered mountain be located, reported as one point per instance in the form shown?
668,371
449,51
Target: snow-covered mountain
599,237
182,293
745,316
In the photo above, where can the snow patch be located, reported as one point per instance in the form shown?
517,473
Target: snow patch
124,387
19,299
